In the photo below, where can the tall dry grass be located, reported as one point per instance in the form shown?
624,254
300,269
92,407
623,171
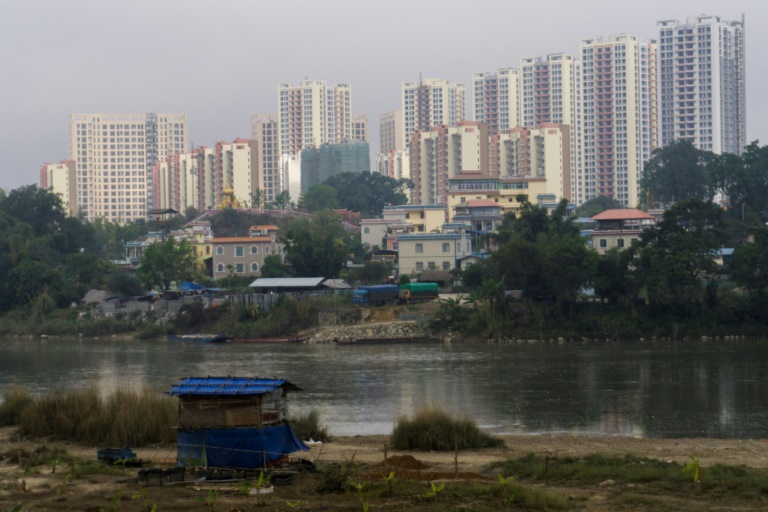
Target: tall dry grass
127,416
432,428
15,400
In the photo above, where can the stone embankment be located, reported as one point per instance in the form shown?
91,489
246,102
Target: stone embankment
355,333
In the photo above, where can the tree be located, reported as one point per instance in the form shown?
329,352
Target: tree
315,248
612,280
168,262
283,200
320,197
34,206
749,263
675,259
367,193
542,254
273,267
372,272
191,213
743,179
599,204
677,172
257,199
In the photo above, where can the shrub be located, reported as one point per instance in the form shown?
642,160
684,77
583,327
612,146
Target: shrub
308,426
127,416
434,429
15,400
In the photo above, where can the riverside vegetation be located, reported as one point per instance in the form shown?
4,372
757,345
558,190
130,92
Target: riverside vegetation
44,474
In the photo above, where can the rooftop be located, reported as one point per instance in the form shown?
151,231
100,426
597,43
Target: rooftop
217,386
623,214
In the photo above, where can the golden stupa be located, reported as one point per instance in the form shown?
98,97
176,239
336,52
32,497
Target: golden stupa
228,199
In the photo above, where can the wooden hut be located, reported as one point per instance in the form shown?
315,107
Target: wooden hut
234,422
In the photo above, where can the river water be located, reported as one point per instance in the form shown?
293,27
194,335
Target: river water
644,389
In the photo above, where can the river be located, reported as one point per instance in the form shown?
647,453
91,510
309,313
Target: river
642,389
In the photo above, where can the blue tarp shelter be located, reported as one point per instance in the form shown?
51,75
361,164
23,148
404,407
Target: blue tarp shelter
233,422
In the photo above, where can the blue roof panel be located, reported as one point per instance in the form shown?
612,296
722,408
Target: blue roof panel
228,386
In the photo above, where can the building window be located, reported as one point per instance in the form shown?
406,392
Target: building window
220,267
219,251
239,251
254,249
266,250
446,247
603,243
620,242
431,265
366,230
419,266
446,265
207,250
254,267
419,248
239,268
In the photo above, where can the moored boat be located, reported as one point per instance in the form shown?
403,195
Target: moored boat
205,338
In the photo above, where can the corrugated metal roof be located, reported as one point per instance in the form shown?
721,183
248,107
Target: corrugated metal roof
228,386
287,282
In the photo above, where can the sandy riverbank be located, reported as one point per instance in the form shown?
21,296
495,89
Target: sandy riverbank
44,490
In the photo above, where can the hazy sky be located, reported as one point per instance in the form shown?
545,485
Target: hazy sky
220,62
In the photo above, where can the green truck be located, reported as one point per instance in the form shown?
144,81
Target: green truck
418,292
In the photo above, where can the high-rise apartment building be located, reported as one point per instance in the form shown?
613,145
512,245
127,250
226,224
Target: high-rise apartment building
540,152
391,132
497,99
61,179
619,128
431,102
265,130
313,113
114,156
702,92
445,152
199,177
360,127
550,94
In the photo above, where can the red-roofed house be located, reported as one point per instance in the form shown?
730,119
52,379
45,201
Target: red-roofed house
245,254
619,228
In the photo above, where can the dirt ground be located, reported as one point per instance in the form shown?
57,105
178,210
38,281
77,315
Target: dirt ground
41,490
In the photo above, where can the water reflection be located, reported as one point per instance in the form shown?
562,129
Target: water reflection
628,389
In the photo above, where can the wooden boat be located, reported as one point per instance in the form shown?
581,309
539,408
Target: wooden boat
205,338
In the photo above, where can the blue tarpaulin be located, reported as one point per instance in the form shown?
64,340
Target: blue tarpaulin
240,448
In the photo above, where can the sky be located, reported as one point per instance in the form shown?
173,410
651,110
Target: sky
220,62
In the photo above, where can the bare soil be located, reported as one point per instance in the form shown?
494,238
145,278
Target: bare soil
41,489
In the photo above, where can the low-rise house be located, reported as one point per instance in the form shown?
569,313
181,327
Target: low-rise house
424,217
619,228
245,255
418,252
480,214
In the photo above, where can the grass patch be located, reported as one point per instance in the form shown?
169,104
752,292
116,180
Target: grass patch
308,426
432,428
592,469
717,481
127,416
15,400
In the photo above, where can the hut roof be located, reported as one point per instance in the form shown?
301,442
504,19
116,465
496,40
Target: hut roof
229,386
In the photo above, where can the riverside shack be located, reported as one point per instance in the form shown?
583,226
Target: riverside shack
234,422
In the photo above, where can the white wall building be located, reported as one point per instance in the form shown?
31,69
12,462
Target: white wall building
313,113
114,155
619,131
431,102
702,94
